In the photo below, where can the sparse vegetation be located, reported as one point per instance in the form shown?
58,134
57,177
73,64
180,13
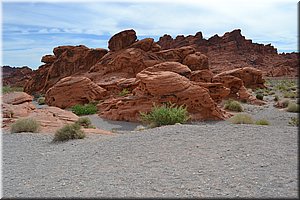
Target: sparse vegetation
284,85
294,121
262,122
8,89
124,92
241,119
68,132
25,125
165,115
287,87
86,109
85,122
260,96
276,98
41,100
290,95
233,105
292,107
285,103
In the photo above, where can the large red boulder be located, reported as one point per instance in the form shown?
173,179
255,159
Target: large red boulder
122,40
67,61
125,63
70,91
16,98
196,61
161,87
251,77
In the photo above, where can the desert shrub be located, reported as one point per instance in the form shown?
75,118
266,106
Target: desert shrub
25,125
294,88
276,98
285,85
86,109
41,100
294,121
289,95
244,100
285,103
68,132
124,92
233,105
293,107
241,119
165,115
260,96
85,122
262,122
272,92
8,89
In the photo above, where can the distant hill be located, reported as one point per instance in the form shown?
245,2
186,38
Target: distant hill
16,76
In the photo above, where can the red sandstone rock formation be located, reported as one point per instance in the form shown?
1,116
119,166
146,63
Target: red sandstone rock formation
18,105
251,77
16,76
162,87
16,98
122,40
180,75
232,51
70,91
125,63
66,61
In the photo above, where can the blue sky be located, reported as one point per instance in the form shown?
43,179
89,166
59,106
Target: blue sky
31,29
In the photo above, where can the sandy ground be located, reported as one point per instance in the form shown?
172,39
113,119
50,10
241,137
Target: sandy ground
200,159
212,160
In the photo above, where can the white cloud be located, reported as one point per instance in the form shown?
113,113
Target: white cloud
26,24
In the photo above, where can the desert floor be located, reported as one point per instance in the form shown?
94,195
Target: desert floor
199,159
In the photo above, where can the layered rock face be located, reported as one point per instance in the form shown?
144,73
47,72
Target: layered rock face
232,51
66,61
181,75
122,40
18,105
16,76
70,91
160,84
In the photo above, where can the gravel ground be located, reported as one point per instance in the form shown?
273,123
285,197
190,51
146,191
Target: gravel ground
206,160
110,125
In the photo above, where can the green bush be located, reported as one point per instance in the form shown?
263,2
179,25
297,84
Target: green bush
285,85
8,89
165,115
41,100
25,125
285,103
260,96
294,121
68,132
233,106
86,109
276,98
290,95
271,92
262,122
85,122
124,92
293,107
241,119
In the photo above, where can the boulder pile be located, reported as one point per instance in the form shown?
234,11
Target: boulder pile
179,71
18,105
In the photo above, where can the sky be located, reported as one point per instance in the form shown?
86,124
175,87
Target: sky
31,29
